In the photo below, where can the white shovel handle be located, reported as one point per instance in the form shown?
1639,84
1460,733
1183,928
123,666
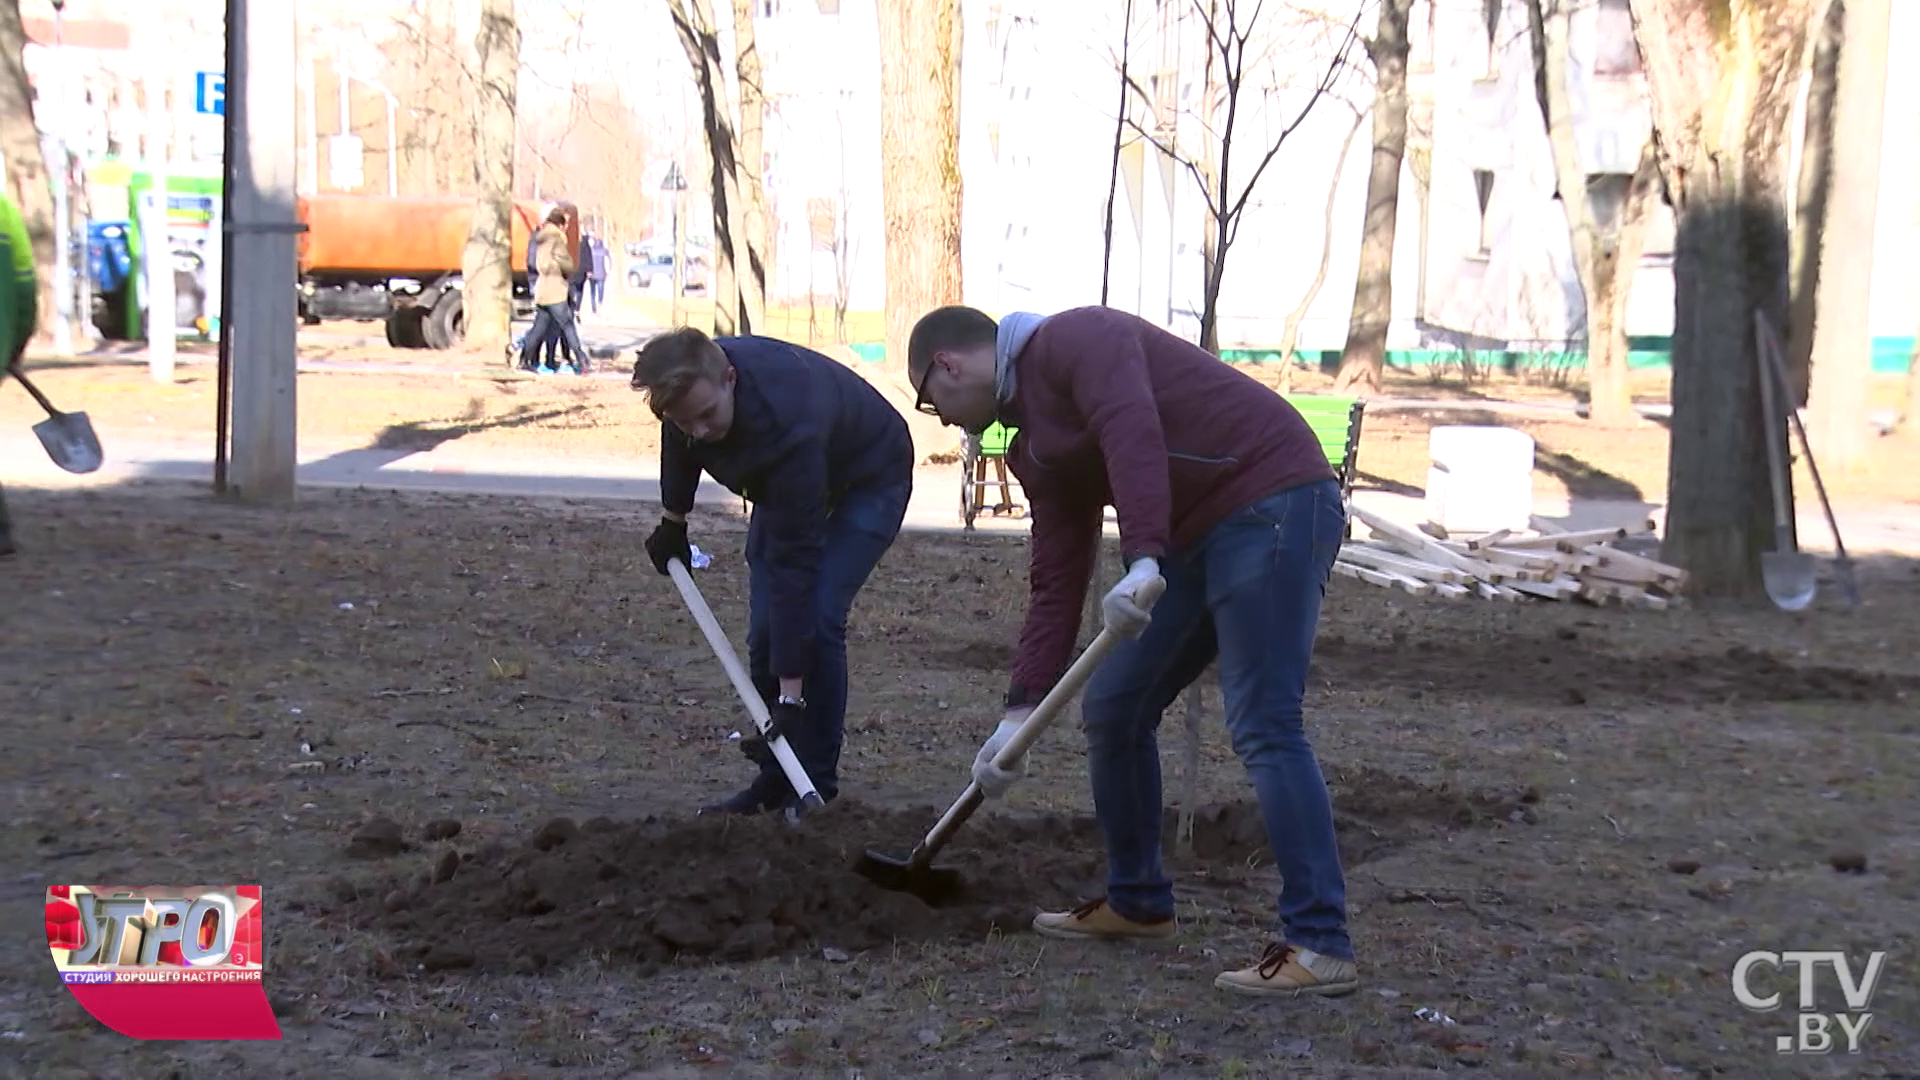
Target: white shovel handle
742,684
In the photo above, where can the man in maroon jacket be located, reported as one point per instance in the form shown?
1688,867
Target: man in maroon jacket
1221,489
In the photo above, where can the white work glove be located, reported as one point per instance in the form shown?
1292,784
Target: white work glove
1124,617
995,781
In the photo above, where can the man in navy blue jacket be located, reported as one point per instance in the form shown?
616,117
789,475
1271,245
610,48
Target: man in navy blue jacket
828,465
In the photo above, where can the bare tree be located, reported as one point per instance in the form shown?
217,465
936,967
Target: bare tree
1604,258
919,161
486,264
427,70
28,177
1231,28
693,21
753,122
1842,342
1290,330
1364,360
1821,67
1719,135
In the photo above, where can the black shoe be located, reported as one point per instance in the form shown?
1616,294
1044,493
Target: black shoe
747,803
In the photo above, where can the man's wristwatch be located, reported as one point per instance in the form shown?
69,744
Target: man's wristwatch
796,702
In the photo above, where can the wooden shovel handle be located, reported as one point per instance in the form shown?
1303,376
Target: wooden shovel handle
21,375
1035,725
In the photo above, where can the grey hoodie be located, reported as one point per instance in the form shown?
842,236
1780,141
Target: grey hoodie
1015,329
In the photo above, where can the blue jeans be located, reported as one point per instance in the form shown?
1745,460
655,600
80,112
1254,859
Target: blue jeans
860,529
1247,592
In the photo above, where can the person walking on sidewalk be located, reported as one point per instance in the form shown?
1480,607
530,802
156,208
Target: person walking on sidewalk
828,465
19,315
597,279
554,264
1222,490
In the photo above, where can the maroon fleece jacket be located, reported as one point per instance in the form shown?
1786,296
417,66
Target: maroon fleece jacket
1111,409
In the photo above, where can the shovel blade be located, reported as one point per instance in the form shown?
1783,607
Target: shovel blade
70,442
1790,578
936,885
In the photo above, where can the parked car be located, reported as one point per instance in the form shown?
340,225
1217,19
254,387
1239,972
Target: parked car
652,260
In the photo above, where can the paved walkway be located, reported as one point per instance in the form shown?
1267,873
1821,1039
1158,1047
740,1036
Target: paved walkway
1888,529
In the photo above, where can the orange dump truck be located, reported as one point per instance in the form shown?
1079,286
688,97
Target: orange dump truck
397,259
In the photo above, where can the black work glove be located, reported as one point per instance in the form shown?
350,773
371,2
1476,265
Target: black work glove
669,541
785,719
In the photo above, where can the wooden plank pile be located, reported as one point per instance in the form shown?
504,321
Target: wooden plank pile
1553,564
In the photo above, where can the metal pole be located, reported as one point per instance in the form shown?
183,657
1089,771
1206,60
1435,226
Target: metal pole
156,249
263,161
223,383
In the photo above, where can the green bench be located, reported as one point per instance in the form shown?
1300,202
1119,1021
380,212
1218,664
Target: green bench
990,446
1335,422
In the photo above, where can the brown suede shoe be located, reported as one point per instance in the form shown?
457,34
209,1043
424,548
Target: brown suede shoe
1095,921
1290,971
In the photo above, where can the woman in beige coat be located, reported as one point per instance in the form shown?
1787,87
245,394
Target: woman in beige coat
552,266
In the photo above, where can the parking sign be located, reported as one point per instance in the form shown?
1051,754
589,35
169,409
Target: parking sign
210,93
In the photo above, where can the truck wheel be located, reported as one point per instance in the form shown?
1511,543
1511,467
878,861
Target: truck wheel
405,330
446,324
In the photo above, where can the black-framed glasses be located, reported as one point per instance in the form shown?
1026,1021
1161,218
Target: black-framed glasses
920,402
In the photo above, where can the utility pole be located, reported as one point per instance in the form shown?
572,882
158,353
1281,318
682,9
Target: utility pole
62,97
156,249
261,172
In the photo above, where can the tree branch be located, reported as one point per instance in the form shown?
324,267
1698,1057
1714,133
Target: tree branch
1324,87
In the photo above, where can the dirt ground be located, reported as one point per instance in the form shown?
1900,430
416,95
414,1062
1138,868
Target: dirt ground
1561,825
492,410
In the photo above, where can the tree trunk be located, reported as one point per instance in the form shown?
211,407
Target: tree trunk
1290,332
486,301
28,177
1811,190
1604,276
753,191
919,161
1364,359
1842,340
1718,134
693,21
1607,344
1119,133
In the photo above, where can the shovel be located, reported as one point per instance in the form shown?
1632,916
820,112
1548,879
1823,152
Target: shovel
68,437
750,697
1787,572
916,873
1842,566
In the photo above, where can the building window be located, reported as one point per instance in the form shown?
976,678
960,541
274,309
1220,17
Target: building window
1423,41
1483,191
1615,53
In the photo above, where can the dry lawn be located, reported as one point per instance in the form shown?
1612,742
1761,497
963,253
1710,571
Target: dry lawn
1516,784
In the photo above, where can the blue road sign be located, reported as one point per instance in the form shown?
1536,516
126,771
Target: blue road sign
210,93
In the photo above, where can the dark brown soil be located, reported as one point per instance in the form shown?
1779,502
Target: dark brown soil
1569,670
735,889
1561,825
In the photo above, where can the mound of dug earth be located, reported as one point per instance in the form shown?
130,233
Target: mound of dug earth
735,889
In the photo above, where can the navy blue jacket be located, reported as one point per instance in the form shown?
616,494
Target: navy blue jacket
806,430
